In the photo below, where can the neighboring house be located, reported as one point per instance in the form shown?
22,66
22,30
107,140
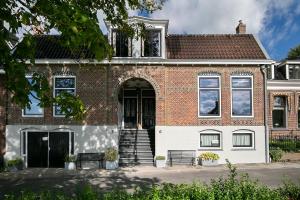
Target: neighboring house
284,95
160,93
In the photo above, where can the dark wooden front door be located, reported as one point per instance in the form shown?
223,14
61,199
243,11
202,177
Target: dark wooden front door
58,148
130,112
148,112
37,149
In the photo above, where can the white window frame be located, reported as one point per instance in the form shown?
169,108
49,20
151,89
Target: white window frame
160,44
54,79
231,91
211,132
285,112
34,115
220,101
252,133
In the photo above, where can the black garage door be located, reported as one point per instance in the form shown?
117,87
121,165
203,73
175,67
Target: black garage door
44,153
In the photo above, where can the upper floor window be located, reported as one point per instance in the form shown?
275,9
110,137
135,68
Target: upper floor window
63,84
151,44
280,72
279,112
35,108
209,96
241,87
121,43
294,71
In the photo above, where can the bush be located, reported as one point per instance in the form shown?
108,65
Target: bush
14,163
209,156
70,158
286,145
276,154
111,154
160,158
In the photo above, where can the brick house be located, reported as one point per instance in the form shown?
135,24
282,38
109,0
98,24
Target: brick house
158,94
283,98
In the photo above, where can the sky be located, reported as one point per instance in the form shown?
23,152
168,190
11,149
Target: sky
275,22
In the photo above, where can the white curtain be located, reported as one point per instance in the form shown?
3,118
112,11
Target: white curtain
242,140
207,140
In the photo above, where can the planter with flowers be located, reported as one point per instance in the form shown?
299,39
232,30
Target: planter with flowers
208,159
14,165
160,161
70,162
111,158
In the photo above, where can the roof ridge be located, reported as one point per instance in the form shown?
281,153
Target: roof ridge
213,34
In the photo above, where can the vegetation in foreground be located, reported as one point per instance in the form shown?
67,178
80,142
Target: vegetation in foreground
231,187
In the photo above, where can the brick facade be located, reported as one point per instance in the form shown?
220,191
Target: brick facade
292,97
176,94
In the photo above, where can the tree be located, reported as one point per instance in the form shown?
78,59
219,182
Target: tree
294,53
78,24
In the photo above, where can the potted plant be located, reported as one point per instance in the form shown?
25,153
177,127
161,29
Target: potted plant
111,158
70,162
209,159
14,165
160,161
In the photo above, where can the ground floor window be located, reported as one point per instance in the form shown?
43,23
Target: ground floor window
242,140
210,140
279,112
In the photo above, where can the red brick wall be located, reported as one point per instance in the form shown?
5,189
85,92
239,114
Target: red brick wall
292,97
2,115
176,89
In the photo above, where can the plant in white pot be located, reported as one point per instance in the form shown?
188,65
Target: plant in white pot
70,162
14,165
208,159
111,158
160,161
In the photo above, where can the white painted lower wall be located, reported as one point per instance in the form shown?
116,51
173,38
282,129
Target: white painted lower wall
188,138
88,139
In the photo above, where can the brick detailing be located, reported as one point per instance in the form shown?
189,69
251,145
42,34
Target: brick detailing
292,97
176,94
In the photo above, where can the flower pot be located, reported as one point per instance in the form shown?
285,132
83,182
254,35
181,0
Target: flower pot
111,164
160,163
209,162
70,165
15,168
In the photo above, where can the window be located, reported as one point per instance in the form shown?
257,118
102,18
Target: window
241,96
121,43
210,140
63,84
279,112
299,112
35,109
209,96
294,71
242,139
151,45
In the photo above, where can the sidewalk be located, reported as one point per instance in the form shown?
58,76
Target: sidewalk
140,176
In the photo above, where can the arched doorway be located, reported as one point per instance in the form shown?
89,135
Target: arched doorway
137,104
137,121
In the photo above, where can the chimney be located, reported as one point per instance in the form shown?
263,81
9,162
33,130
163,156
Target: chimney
241,28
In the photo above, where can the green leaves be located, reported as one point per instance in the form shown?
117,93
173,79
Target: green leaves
294,53
78,24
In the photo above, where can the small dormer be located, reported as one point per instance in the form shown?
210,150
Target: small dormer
153,45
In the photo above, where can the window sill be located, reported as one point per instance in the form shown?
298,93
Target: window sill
32,116
280,129
210,149
243,149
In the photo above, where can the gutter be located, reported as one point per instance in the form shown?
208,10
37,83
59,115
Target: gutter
156,61
263,68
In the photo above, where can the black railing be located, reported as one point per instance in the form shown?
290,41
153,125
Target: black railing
287,141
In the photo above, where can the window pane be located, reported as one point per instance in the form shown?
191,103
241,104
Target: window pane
210,140
294,71
24,142
121,44
242,140
209,102
35,108
298,118
72,143
70,91
64,82
278,118
209,82
241,102
241,82
279,101
152,43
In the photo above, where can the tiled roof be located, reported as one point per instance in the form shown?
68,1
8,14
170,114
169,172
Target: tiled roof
49,46
230,46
